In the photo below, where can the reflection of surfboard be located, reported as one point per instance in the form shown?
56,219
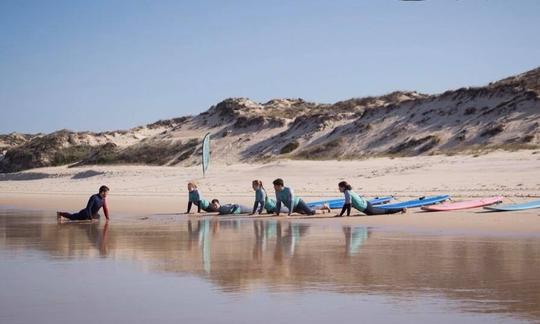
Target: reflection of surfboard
464,204
337,203
515,207
423,201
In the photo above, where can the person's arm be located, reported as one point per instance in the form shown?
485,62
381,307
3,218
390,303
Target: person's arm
197,199
347,195
89,206
263,199
105,208
278,205
291,201
255,205
190,203
346,207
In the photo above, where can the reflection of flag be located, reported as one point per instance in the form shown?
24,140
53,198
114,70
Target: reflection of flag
205,153
204,243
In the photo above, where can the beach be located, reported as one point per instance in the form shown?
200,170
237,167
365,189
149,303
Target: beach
159,194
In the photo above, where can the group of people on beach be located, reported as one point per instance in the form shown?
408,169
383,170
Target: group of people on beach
285,202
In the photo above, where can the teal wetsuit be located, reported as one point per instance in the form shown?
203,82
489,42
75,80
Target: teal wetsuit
293,203
260,201
352,199
201,203
356,200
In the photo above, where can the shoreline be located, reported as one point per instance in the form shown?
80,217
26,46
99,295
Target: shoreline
138,191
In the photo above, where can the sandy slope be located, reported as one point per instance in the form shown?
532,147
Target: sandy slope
144,190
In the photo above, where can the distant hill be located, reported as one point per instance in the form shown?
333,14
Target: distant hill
504,114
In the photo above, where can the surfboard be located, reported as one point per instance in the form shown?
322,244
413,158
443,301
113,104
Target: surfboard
336,203
422,201
447,206
515,207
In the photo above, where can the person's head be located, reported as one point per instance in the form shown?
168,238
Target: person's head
103,191
192,185
278,184
344,185
257,184
215,204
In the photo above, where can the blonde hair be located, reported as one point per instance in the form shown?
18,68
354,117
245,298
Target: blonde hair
193,183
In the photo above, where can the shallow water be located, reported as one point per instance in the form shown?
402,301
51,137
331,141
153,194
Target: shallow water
267,271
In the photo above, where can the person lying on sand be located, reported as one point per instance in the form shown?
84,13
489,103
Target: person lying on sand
293,203
229,209
95,203
352,199
262,201
195,198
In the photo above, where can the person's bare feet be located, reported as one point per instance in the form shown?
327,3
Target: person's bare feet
60,218
326,207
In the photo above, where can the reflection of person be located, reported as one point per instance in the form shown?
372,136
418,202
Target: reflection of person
285,195
352,199
95,203
260,237
354,238
99,238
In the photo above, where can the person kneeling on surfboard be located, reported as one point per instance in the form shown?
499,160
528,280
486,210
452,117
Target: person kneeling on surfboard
196,199
95,203
229,209
295,204
352,199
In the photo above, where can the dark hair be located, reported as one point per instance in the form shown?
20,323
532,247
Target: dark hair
103,189
259,183
215,201
278,182
344,184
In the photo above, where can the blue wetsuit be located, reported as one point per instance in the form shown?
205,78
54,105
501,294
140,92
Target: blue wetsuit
91,211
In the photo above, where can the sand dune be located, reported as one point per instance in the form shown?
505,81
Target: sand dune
502,115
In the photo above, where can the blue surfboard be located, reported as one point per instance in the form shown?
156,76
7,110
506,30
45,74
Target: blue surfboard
422,201
515,207
336,203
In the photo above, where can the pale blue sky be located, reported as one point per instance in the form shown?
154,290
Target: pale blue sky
99,65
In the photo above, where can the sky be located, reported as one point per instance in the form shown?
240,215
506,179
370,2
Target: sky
106,65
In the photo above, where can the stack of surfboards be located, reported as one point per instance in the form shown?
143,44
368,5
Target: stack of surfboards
437,203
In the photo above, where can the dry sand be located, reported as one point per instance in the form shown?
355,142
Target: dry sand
160,192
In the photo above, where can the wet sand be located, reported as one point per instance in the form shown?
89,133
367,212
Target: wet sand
202,270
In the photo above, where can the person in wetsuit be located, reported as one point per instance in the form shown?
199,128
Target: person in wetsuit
285,195
195,198
95,203
352,199
229,209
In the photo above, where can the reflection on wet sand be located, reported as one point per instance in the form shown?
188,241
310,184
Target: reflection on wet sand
482,274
